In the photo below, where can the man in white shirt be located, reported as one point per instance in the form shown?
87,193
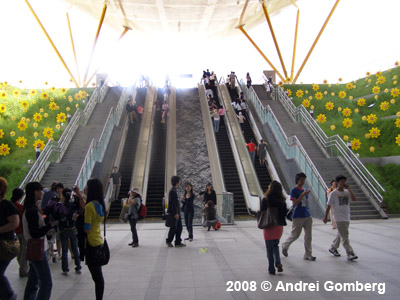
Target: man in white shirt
338,200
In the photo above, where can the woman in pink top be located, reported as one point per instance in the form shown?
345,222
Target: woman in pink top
221,112
274,198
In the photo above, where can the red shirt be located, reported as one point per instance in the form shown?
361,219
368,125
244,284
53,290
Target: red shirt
252,147
19,207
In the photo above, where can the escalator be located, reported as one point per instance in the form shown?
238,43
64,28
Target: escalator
128,158
156,181
262,173
228,165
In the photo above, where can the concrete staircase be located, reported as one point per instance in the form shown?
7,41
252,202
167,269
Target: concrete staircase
328,168
68,169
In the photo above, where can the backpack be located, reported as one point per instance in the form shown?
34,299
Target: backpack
142,212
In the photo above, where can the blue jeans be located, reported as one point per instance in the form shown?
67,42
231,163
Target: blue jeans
273,254
252,156
6,291
64,237
135,237
39,278
216,125
176,231
189,221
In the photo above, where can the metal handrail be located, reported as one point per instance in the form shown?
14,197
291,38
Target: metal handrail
369,181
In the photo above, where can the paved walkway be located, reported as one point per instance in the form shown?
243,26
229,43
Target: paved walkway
235,253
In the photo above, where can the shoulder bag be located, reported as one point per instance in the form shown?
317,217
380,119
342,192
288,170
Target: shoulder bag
267,218
99,255
8,249
35,249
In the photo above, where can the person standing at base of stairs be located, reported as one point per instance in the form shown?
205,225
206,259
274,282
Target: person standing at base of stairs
174,209
338,200
116,177
301,218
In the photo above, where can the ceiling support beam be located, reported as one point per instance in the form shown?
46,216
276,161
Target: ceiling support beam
73,49
52,43
208,12
316,41
295,44
163,15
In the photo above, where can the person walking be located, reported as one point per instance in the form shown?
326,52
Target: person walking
135,201
94,216
221,112
67,230
262,152
9,221
274,200
210,215
188,209
17,195
39,284
116,177
241,120
330,190
339,201
248,80
252,150
174,210
215,116
301,218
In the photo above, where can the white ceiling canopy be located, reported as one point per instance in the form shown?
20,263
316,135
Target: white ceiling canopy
208,18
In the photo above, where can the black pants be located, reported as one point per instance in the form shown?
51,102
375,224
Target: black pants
189,222
97,276
176,231
135,237
81,237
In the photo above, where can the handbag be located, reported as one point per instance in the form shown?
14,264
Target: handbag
8,249
267,218
170,220
99,255
35,249
183,206
290,213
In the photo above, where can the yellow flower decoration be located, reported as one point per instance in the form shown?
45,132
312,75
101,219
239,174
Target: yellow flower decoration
347,123
3,95
70,100
398,140
44,96
369,80
299,93
332,94
374,132
397,122
46,115
312,107
346,112
306,103
325,92
356,111
350,97
77,96
384,106
67,108
83,94
1,133
333,127
367,135
321,118
16,93
381,80
52,105
24,104
368,73
371,118
61,117
77,105
395,82
63,90
34,101
39,143
342,94
21,142
372,149
376,97
379,73
395,92
386,90
315,87
33,92
48,132
35,134
355,144
37,117
22,125
361,102
329,105
346,138
339,109
35,125
349,86
41,110
325,81
340,79
13,118
392,101
306,91
376,89
319,96
53,89
27,120
3,108
51,99
4,149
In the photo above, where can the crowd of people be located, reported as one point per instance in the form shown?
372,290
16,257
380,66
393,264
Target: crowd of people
60,214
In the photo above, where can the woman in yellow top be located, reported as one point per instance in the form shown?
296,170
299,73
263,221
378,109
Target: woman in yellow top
94,216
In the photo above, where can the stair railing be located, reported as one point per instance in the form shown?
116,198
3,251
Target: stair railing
291,147
337,147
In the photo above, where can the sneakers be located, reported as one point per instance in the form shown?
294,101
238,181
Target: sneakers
78,270
135,245
352,257
186,239
180,245
334,252
65,273
170,245
279,267
130,244
310,258
284,252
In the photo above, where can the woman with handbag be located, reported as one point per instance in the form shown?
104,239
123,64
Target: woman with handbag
39,282
275,205
94,216
9,221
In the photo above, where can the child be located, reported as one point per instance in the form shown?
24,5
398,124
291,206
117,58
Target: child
338,200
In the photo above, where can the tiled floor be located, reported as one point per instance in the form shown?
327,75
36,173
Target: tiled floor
236,253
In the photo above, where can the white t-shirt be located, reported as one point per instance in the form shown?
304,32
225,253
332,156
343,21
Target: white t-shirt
340,203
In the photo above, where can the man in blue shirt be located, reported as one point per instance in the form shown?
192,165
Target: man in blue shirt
301,218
